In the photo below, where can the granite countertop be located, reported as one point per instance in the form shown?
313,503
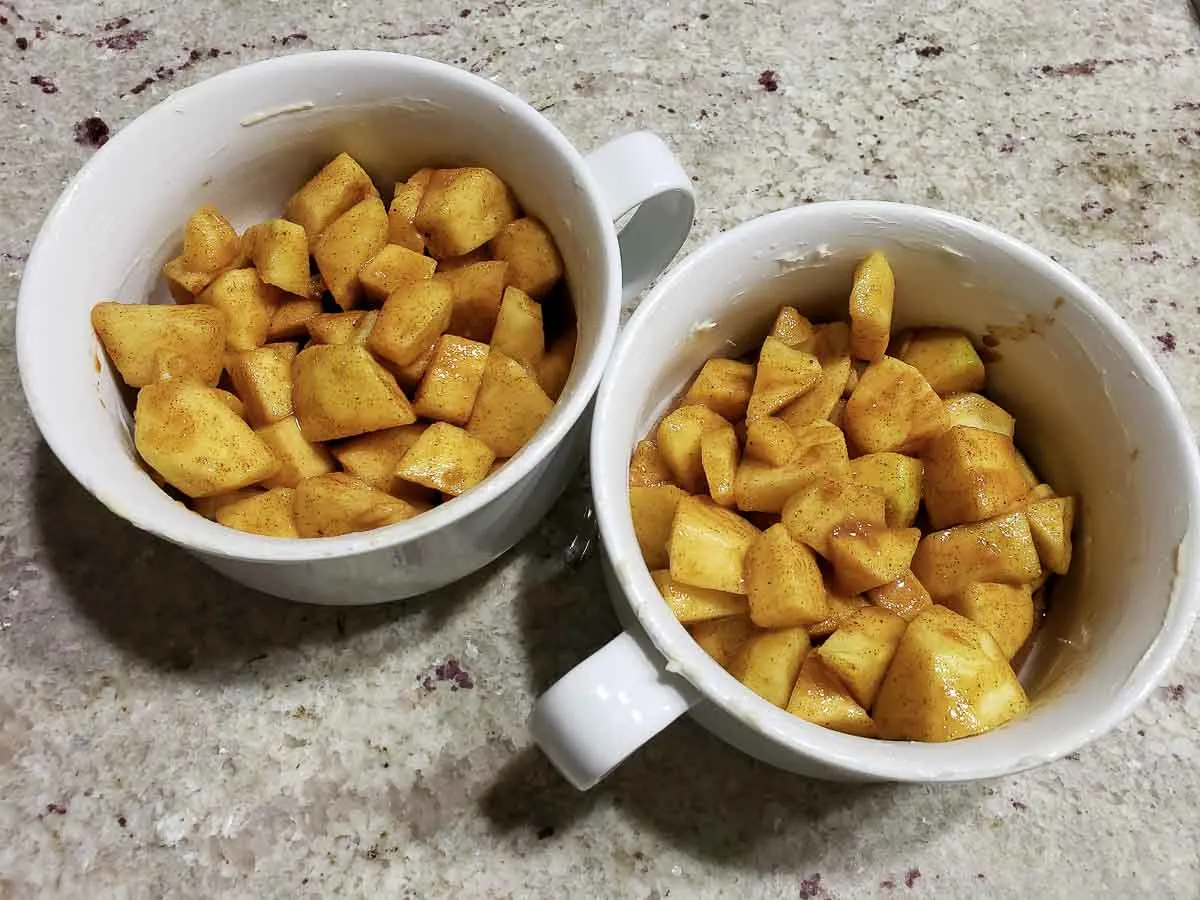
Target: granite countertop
166,733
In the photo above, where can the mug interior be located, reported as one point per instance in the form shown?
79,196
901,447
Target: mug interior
244,141
1094,414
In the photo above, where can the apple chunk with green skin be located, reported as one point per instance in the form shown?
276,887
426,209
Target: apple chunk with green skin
949,679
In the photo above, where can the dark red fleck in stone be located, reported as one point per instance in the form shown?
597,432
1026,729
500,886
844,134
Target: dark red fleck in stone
769,81
463,13
980,876
448,672
123,42
911,876
811,887
293,37
928,52
1083,67
56,808
703,17
1074,757
1174,691
91,132
901,37
887,883
22,43
116,24
1166,341
141,86
121,821
47,86
1019,806
3,20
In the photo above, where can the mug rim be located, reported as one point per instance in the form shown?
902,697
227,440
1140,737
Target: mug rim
220,541
873,757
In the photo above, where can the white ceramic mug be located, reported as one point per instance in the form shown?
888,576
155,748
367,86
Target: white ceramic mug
1095,414
244,141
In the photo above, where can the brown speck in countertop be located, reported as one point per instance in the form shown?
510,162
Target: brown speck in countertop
91,132
901,37
3,20
887,884
116,24
56,808
1166,341
769,81
22,43
463,13
911,876
1175,691
47,86
121,821
930,51
1083,67
1074,757
1019,806
293,38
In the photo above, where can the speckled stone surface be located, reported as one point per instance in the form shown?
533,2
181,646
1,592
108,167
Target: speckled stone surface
165,733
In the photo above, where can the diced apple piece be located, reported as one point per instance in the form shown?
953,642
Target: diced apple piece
842,608
405,200
183,285
791,327
337,503
327,195
210,243
478,289
648,468
447,459
999,550
262,378
948,679
463,209
298,457
861,650
820,450
289,321
819,697
339,391
412,319
784,582
1005,610
279,251
335,328
893,408
345,246
1031,479
824,504
519,332
186,433
266,512
971,474
770,440
719,457
211,505
819,401
829,342
708,545
898,478
132,333
373,457
769,662
782,375
1051,522
871,299
866,557
391,268
248,304
692,604
679,436
724,386
554,370
510,406
722,638
451,383
534,264
947,359
978,411
905,596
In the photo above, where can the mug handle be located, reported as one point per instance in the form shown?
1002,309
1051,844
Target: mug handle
609,705
637,172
